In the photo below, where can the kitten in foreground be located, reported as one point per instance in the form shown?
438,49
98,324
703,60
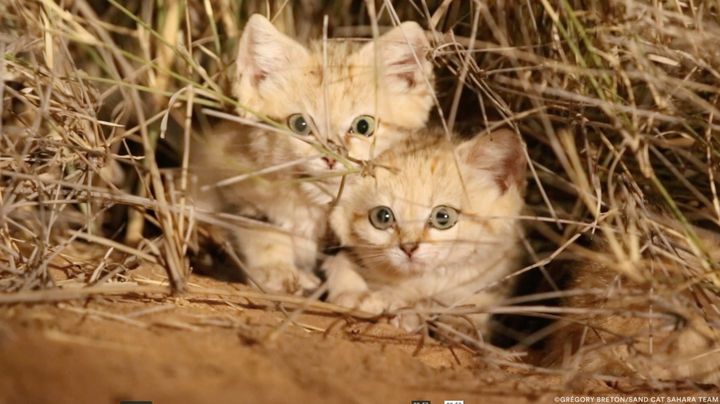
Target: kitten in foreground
336,106
434,227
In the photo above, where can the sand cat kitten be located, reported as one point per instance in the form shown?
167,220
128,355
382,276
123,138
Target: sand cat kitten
434,226
344,103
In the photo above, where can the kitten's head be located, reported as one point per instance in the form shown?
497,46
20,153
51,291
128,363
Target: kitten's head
437,206
360,102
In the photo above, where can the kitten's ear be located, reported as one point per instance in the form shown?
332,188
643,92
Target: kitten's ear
397,52
263,51
501,153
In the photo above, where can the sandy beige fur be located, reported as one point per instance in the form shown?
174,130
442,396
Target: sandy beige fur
331,84
482,178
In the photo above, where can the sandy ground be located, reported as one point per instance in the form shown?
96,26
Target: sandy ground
217,350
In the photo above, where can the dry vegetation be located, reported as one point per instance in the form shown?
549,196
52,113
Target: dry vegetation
618,101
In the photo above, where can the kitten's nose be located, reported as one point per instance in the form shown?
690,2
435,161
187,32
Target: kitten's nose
409,248
330,162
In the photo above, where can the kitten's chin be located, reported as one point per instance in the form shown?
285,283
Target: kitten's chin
421,266
405,267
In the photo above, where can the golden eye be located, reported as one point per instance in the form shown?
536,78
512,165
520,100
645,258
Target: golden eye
381,217
298,124
363,125
443,217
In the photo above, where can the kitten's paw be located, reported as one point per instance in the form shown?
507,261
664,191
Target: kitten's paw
379,303
407,321
308,281
369,302
277,278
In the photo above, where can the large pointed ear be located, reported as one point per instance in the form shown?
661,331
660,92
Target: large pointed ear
398,53
501,153
264,51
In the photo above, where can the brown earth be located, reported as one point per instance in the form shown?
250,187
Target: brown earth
194,349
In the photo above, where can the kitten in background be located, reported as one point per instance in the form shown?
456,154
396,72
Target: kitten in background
435,227
335,107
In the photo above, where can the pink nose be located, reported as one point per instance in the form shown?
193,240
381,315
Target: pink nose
330,162
409,248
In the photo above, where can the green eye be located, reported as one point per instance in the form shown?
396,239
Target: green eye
381,217
363,125
298,124
443,217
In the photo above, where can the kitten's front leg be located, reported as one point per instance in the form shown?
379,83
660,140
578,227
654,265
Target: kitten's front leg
345,285
348,289
270,260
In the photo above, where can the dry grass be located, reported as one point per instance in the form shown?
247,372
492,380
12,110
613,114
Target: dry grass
617,100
